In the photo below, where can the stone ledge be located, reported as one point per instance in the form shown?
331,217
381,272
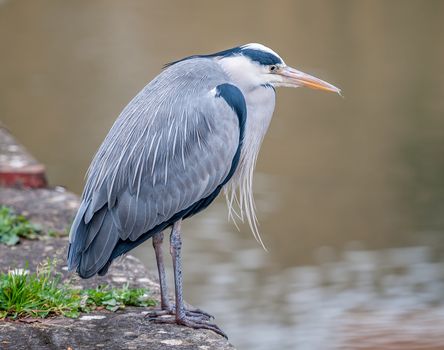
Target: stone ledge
17,167
119,330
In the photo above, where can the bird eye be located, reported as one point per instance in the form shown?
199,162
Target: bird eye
273,68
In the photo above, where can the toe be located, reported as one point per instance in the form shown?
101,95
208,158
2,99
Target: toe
199,324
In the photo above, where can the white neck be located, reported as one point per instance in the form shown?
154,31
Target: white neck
239,190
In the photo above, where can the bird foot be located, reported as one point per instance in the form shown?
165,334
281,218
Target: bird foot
200,321
171,310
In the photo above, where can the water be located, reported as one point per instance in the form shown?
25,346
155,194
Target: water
350,191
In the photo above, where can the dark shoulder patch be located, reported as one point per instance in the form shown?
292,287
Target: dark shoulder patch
235,99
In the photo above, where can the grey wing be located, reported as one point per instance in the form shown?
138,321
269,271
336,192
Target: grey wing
157,161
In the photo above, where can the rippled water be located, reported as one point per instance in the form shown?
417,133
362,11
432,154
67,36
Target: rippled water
350,191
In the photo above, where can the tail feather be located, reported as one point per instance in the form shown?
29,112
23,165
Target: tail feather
77,237
91,243
98,254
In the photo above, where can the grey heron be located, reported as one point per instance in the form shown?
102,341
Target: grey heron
193,131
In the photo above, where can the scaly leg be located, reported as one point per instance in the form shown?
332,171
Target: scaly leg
182,317
166,308
157,244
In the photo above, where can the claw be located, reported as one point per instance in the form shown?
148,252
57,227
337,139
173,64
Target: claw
158,313
201,312
192,322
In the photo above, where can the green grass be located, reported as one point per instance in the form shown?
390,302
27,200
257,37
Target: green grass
13,227
43,294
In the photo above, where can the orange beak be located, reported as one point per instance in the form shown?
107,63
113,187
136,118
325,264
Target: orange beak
294,78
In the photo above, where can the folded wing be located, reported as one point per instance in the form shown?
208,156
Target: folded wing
166,157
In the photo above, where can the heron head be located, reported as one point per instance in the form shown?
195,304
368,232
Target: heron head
254,65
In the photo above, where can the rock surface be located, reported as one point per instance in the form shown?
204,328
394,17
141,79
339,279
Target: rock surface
120,330
53,209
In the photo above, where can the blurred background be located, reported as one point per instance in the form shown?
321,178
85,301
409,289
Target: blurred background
350,191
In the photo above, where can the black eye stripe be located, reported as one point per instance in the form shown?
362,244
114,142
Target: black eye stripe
262,57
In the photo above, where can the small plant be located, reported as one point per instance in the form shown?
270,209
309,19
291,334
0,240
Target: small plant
13,227
116,298
41,294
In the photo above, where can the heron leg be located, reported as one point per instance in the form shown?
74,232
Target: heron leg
166,307
157,245
175,250
182,317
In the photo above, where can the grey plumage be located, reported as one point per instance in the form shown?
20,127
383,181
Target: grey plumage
155,161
